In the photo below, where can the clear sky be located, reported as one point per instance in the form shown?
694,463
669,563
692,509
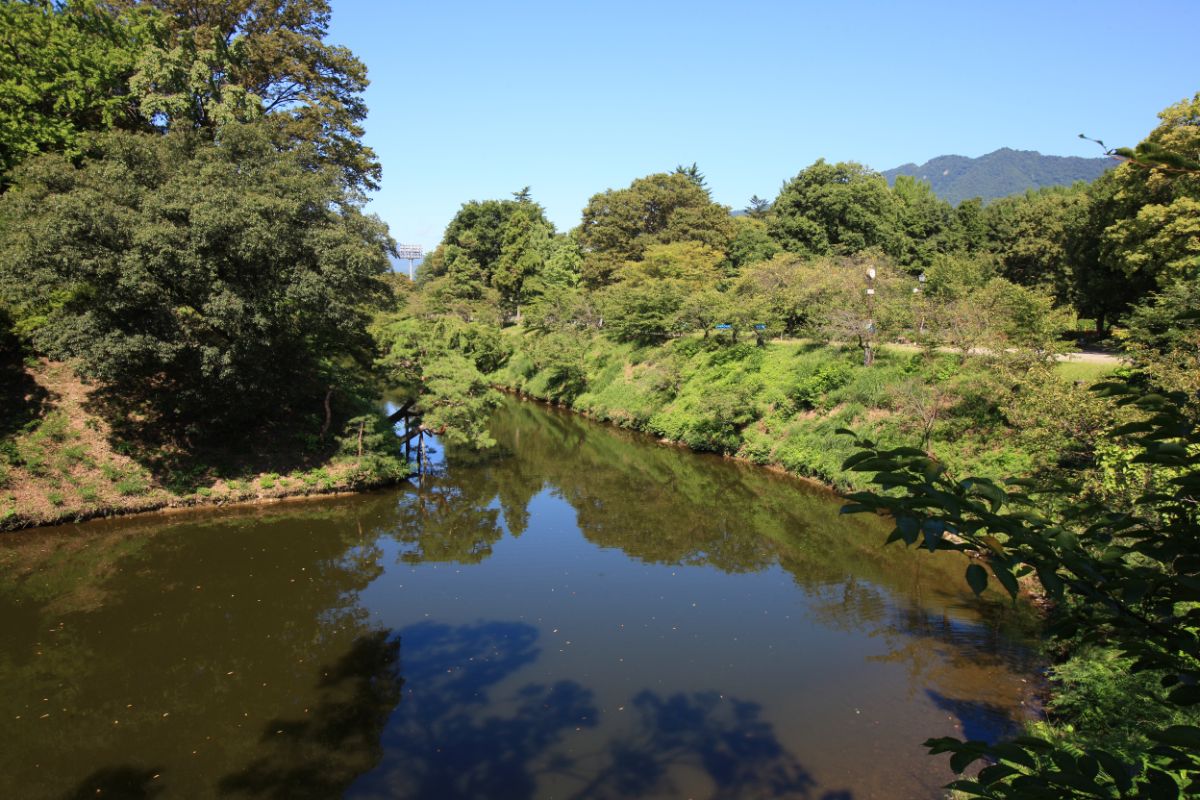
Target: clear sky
474,100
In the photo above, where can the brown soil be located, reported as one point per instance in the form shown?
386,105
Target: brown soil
60,462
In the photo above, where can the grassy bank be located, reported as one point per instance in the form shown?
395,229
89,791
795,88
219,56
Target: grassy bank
782,405
63,462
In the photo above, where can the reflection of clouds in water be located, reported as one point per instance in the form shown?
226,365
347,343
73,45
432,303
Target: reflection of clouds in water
455,735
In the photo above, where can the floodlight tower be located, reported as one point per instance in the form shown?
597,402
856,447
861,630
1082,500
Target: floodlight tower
410,253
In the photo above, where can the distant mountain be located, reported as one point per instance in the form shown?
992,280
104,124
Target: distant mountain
999,174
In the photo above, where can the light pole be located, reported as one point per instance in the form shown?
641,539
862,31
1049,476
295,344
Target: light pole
410,253
919,291
869,329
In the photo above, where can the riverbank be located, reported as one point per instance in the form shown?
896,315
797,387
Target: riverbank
65,464
783,406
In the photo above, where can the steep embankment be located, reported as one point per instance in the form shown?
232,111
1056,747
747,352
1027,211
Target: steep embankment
62,463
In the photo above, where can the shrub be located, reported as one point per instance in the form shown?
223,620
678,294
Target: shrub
812,388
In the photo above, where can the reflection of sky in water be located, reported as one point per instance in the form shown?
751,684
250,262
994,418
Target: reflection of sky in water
580,614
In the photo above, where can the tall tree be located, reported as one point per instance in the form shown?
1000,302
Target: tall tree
1142,230
619,224
693,174
757,207
1030,235
210,284
926,224
525,246
64,70
212,61
481,231
837,209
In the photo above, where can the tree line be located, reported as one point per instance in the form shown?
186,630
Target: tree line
659,258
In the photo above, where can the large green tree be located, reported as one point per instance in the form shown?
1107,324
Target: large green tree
208,62
525,247
619,224
1141,232
487,233
835,209
85,65
1031,236
211,284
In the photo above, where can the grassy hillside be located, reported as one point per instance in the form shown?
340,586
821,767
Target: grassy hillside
782,405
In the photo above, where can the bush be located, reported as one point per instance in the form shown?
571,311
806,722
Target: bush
813,387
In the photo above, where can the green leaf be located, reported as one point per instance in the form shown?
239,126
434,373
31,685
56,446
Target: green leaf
1006,579
1178,736
963,759
976,578
1187,695
1117,769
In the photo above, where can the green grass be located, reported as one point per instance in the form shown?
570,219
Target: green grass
132,485
1085,371
782,405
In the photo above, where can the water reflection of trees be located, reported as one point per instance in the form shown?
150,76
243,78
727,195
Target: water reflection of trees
320,753
657,504
661,505
165,648
976,656
463,729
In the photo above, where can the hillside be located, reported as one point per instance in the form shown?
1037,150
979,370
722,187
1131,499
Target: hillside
1000,173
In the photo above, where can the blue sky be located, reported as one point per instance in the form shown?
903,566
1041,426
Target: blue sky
474,100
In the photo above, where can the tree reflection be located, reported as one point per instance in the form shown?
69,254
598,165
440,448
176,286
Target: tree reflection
147,648
319,754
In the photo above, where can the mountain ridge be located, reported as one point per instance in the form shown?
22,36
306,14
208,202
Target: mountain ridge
1000,173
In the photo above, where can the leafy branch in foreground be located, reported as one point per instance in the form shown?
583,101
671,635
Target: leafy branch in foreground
1122,579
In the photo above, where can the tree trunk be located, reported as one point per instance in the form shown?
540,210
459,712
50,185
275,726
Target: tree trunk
328,413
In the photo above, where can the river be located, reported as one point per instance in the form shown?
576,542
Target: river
580,613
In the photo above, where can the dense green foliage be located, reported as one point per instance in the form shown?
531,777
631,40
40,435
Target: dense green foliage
181,220
64,70
1126,586
172,64
211,283
1000,173
620,224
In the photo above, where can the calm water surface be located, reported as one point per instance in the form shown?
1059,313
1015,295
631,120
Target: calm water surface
580,614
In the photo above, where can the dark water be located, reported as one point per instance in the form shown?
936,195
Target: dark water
582,614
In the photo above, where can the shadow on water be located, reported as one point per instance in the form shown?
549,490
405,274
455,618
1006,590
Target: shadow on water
981,722
449,740
319,755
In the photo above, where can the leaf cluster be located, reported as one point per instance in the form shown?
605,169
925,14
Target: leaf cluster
1128,580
